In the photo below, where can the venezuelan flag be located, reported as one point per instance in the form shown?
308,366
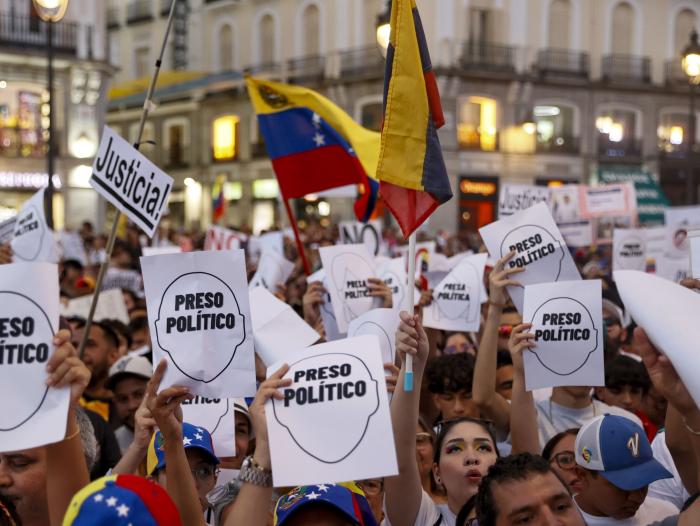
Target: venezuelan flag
313,144
219,202
412,174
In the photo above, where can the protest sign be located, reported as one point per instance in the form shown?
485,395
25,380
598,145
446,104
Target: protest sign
33,240
609,200
119,278
516,197
159,251
32,414
637,248
273,270
333,423
565,203
680,219
347,268
567,321
7,229
330,325
651,200
538,245
670,320
219,238
381,323
72,247
370,234
694,237
128,180
577,233
216,415
110,305
276,327
672,269
199,319
456,302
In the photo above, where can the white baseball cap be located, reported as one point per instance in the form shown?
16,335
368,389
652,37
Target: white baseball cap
129,366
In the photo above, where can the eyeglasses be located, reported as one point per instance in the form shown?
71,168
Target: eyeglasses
205,473
565,459
371,486
423,438
609,322
505,330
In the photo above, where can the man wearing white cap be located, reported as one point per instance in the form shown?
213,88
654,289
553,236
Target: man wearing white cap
128,378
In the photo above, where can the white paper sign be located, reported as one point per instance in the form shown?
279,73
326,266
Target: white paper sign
672,269
694,237
277,328
539,246
118,278
110,305
273,269
128,180
456,302
7,229
348,267
637,248
33,241
333,423
199,319
668,313
72,247
369,234
381,323
31,414
330,325
577,233
567,321
219,238
516,197
216,415
393,273
159,251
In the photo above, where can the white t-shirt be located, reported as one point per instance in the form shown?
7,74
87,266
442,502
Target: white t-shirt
429,514
671,490
553,418
650,511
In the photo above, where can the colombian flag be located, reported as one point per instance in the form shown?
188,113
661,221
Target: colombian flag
219,202
412,174
313,144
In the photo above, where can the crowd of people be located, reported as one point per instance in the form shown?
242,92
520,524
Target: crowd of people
473,446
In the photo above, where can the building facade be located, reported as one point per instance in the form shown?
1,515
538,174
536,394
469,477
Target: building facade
534,91
81,74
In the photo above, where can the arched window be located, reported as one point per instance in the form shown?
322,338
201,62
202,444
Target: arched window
266,40
674,130
686,21
622,29
559,24
225,43
557,127
619,131
311,31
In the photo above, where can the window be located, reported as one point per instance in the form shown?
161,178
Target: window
233,191
371,115
371,9
141,62
267,40
148,134
225,43
477,127
555,128
673,131
224,137
622,29
685,23
177,141
265,189
559,24
311,31
619,132
481,25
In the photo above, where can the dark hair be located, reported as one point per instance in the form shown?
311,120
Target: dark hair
445,426
109,332
623,370
138,324
450,373
507,469
465,511
73,264
120,328
552,443
503,358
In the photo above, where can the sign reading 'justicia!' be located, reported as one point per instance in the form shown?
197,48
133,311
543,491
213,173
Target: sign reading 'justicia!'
128,180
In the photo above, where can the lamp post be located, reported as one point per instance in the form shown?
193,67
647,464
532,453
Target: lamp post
51,12
383,27
690,60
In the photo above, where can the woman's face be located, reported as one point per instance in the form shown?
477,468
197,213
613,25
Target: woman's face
465,457
424,451
563,462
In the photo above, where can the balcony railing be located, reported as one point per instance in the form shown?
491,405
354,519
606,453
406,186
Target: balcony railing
267,69
558,144
306,68
563,62
675,73
362,62
113,18
139,11
628,147
626,68
26,32
177,156
487,57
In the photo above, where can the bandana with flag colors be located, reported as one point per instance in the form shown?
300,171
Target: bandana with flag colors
411,169
313,144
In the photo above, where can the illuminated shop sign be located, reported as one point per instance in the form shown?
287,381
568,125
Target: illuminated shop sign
27,180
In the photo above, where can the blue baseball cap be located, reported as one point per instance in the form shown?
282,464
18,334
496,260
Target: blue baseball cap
192,437
619,450
347,498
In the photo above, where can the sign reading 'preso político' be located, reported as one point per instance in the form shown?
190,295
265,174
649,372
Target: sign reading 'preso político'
128,180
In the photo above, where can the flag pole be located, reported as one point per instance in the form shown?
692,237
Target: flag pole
297,238
408,305
113,234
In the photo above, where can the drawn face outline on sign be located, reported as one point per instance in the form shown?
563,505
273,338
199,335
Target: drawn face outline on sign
269,266
396,281
43,317
545,240
537,351
447,307
237,313
373,328
372,390
627,262
341,274
212,429
34,240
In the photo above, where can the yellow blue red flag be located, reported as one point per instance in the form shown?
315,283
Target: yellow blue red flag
411,170
313,144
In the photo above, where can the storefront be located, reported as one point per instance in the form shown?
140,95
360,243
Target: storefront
478,202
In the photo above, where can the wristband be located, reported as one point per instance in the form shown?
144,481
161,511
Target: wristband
500,305
690,429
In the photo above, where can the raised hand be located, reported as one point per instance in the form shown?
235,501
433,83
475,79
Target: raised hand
379,289
500,278
520,340
312,301
411,339
165,407
64,368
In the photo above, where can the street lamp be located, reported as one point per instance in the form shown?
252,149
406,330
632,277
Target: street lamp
384,28
51,12
691,67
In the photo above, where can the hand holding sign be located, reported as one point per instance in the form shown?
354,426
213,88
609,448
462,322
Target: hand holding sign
166,405
33,239
65,369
